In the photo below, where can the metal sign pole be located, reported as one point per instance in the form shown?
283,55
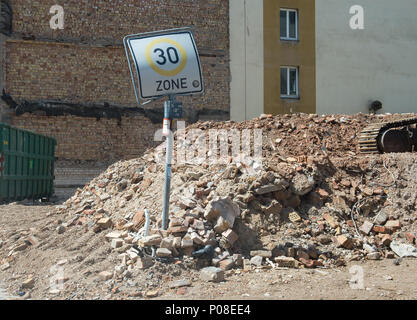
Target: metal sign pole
167,63
167,126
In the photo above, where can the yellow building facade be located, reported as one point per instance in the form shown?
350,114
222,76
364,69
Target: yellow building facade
289,43
273,56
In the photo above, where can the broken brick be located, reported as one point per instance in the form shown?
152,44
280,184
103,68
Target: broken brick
153,240
410,237
230,236
323,193
393,225
226,264
104,223
344,242
307,262
177,229
330,221
386,240
380,229
286,262
138,220
116,243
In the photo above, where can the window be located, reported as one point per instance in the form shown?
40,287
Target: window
289,82
289,24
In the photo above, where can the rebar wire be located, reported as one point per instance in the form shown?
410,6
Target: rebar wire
356,207
392,175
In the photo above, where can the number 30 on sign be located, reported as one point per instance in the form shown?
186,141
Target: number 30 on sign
167,63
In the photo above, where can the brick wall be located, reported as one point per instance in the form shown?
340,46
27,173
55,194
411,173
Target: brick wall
87,139
111,20
85,74
86,64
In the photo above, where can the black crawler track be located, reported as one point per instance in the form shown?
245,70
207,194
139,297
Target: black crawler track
370,137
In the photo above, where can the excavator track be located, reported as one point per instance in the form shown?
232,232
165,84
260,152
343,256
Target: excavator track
370,136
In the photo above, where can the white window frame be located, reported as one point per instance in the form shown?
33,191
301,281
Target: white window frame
288,38
288,96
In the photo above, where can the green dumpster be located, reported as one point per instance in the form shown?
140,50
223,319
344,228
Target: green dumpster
26,164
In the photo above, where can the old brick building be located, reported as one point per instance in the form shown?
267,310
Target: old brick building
74,84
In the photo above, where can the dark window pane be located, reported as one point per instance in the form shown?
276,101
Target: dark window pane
293,82
284,81
283,23
293,21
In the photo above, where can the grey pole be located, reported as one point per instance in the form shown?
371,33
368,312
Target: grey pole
168,162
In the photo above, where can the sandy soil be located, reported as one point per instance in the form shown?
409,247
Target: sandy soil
381,279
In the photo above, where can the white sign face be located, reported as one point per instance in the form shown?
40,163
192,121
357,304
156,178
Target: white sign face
167,64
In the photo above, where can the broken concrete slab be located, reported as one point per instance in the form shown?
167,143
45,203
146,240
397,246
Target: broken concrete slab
225,209
212,274
403,250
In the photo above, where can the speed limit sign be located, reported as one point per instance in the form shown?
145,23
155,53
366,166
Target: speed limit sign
166,62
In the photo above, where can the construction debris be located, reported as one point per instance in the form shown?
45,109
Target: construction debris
311,203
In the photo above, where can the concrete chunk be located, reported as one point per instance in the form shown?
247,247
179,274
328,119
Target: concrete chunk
179,283
116,243
230,236
224,208
268,189
212,274
196,238
163,253
113,235
256,261
187,243
153,240
381,217
167,243
366,227
144,262
105,275
5,266
104,223
28,284
393,225
261,253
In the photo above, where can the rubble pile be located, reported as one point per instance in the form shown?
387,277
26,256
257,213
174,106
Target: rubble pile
308,210
306,134
307,205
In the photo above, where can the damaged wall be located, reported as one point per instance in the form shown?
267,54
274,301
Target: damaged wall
6,15
88,74
81,138
79,75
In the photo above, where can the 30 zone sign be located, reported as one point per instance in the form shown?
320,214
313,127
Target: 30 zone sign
167,63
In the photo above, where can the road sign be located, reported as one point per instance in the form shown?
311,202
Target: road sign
167,63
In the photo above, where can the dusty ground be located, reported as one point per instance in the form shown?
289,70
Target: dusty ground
381,279
59,250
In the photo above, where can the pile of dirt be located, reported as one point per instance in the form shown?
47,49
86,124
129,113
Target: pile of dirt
312,202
